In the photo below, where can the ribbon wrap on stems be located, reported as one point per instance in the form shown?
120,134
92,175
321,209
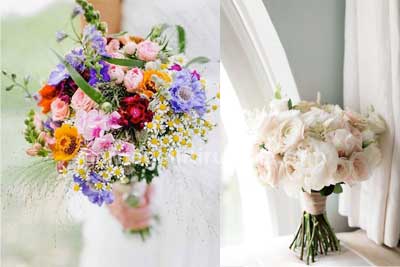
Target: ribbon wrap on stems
313,203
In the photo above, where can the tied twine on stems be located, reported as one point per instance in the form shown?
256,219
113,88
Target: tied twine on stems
314,235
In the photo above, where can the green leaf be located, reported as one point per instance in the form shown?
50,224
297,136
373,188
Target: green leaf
27,78
125,62
197,60
118,34
4,72
327,190
181,38
290,104
82,84
338,189
13,76
277,94
8,88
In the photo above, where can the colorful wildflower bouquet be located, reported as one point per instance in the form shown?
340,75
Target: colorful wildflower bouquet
118,108
312,149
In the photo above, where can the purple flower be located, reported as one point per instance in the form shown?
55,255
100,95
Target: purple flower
76,11
176,67
94,38
187,94
57,75
103,76
95,188
60,36
76,59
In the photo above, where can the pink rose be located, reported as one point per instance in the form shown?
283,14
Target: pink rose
267,167
345,141
359,167
130,48
80,101
343,171
112,46
132,79
116,74
59,110
147,50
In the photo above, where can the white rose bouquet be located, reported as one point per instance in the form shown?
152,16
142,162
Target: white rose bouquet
311,149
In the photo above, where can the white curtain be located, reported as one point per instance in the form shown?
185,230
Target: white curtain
372,76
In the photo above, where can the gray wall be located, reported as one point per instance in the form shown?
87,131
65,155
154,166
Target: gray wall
312,34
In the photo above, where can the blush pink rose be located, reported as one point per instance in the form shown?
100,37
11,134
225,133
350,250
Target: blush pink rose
116,73
345,141
80,101
147,50
112,46
130,48
59,110
132,79
359,167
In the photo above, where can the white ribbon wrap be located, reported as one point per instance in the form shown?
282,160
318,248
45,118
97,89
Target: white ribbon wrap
313,203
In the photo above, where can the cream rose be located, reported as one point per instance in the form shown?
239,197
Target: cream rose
116,73
59,110
130,48
343,173
375,122
267,168
80,101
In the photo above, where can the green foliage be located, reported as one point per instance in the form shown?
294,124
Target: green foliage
92,16
125,62
112,93
181,38
15,83
277,94
145,173
338,189
327,190
31,135
290,104
197,60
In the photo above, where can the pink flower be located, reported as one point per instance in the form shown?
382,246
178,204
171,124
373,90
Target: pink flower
345,141
80,101
113,120
59,110
130,48
37,121
47,139
113,46
103,143
34,150
125,149
147,50
359,167
91,124
116,74
132,79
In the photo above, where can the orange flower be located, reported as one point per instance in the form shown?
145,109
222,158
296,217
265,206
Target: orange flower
147,86
67,144
48,94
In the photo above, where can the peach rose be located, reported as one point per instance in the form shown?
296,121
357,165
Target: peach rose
80,101
59,110
147,50
132,79
116,74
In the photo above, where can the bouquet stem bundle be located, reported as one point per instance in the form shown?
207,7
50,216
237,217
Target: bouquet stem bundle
314,235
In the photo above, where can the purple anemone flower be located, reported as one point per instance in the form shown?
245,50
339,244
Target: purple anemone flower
57,75
103,76
187,94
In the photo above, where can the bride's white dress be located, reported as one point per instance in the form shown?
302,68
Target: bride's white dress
187,196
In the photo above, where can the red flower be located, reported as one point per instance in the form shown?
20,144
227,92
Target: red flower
134,112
